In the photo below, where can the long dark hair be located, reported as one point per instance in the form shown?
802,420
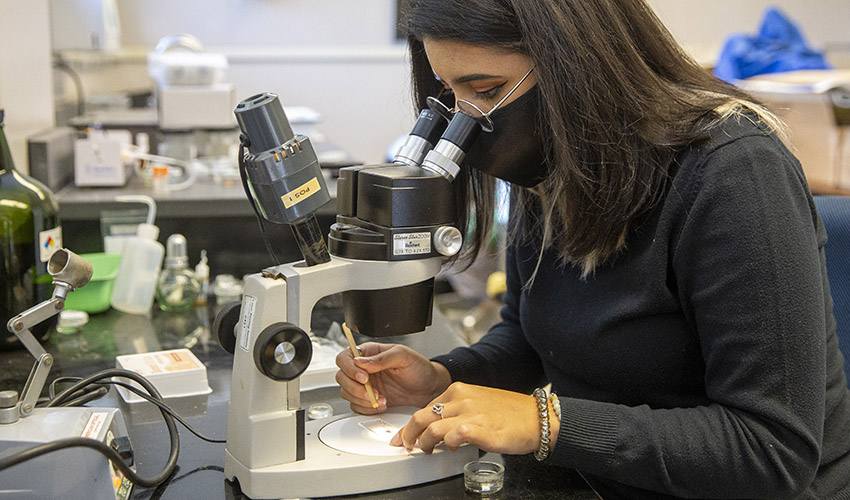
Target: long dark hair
618,98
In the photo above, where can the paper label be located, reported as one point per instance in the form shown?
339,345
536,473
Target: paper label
301,193
94,425
48,242
411,243
249,303
97,162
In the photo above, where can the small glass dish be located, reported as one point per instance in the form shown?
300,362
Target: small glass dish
483,478
320,410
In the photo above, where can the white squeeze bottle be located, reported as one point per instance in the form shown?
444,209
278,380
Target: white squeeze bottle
141,260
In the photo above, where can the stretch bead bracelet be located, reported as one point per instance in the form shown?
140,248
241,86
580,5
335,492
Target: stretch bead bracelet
556,404
543,411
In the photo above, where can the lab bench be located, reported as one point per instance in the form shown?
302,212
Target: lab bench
216,217
200,472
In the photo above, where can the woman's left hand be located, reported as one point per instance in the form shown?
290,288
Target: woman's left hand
492,420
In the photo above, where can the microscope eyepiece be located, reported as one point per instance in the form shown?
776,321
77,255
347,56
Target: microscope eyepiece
449,152
426,132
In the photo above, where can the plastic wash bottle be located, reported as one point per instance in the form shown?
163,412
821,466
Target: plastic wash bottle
141,261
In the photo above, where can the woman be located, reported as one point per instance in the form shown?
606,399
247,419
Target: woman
665,266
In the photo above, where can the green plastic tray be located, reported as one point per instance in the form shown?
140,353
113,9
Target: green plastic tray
94,297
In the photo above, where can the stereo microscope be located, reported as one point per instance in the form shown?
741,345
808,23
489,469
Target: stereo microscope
393,230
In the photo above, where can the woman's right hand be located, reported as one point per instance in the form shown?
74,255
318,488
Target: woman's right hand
399,376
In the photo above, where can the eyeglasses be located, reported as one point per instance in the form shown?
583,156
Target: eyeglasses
468,108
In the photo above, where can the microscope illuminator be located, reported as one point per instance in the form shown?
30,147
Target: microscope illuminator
284,177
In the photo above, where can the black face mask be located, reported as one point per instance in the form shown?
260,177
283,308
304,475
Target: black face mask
514,150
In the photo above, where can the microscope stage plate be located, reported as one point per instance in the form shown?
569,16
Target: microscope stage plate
369,434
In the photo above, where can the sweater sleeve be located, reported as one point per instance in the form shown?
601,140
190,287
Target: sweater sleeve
503,357
747,270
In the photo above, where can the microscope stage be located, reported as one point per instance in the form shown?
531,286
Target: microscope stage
369,435
351,454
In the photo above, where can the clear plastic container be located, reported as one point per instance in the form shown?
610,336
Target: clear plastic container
137,275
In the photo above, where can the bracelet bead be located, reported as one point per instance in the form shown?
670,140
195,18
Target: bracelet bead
543,411
556,405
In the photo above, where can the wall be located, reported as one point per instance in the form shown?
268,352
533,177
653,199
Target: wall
703,26
335,56
25,78
340,56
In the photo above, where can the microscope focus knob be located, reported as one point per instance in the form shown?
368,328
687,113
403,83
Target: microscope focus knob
224,326
283,351
447,240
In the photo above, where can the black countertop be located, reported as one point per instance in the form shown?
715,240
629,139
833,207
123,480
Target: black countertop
200,473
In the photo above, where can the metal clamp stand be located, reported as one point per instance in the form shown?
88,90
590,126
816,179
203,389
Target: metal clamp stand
23,426
69,272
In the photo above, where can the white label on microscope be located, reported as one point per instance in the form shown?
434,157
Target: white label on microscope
248,305
411,243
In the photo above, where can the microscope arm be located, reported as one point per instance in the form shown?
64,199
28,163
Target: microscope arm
20,325
69,271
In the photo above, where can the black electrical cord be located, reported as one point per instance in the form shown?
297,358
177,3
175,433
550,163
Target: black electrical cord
81,397
157,493
67,395
99,389
166,408
243,175
88,396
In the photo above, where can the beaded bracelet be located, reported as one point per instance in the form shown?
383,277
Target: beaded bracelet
543,411
556,404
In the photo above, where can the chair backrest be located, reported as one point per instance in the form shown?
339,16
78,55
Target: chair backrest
835,213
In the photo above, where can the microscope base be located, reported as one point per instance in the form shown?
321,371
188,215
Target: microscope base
327,471
71,473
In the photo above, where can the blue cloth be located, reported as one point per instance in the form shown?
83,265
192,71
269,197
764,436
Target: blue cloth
779,46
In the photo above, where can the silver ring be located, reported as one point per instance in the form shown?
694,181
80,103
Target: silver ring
438,409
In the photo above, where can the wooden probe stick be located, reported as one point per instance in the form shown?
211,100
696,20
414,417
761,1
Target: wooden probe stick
356,352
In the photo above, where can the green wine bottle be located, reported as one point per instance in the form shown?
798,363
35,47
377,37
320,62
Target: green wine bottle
29,234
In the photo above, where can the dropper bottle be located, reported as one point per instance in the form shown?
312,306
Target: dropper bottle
177,287
141,260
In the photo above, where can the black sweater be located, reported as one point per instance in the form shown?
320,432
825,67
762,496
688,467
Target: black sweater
702,361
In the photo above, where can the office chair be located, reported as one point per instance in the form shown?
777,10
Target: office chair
835,213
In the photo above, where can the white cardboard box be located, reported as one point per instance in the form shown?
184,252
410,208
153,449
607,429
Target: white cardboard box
802,100
176,373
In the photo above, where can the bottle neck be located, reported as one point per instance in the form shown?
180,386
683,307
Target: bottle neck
6,163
